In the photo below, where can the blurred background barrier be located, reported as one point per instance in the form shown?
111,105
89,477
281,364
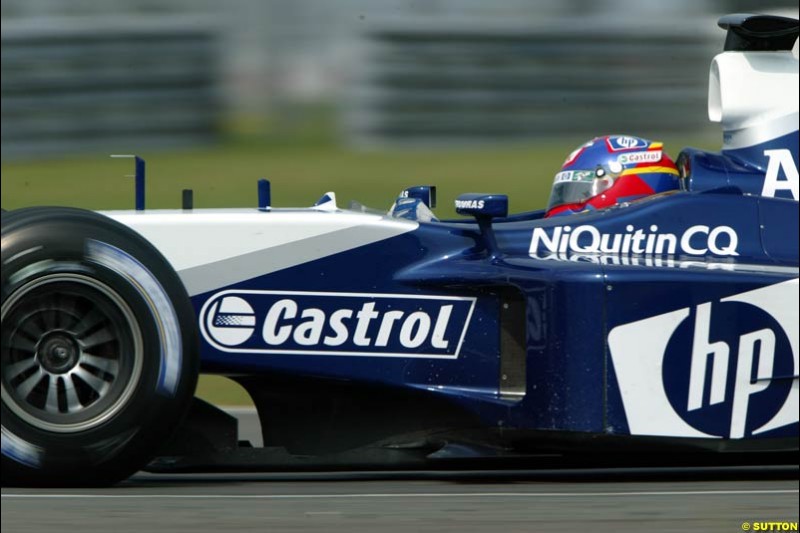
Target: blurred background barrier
452,83
88,76
82,84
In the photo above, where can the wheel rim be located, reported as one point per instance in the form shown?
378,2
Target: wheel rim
72,352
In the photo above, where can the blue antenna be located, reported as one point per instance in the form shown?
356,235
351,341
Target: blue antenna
139,175
264,195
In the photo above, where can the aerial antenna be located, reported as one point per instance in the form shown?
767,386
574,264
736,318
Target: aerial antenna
139,175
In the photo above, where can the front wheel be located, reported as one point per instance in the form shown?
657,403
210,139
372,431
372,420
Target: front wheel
99,349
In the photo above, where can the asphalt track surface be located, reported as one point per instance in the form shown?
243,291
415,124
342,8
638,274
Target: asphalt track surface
524,501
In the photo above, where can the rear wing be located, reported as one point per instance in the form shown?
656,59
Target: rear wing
758,33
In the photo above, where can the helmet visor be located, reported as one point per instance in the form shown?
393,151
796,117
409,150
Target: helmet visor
578,186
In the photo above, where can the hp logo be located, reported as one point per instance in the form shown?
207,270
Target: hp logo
724,368
624,142
627,142
730,384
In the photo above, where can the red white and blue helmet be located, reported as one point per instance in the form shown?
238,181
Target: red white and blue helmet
610,170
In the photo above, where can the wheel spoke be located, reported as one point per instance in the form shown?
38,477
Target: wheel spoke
97,384
31,329
51,405
25,388
100,337
88,322
67,316
23,344
73,402
16,369
50,318
109,366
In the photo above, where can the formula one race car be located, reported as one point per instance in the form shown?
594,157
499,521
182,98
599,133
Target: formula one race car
661,327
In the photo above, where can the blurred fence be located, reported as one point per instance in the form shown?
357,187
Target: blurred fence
107,84
418,83
115,75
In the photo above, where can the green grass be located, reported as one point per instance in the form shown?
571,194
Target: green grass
225,176
222,391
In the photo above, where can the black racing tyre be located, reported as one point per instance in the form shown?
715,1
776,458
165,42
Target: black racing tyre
99,357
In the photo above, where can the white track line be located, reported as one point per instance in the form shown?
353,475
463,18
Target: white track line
53,496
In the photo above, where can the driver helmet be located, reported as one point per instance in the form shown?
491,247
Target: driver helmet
610,170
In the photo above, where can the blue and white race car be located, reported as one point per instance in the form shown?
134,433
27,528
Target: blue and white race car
663,328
